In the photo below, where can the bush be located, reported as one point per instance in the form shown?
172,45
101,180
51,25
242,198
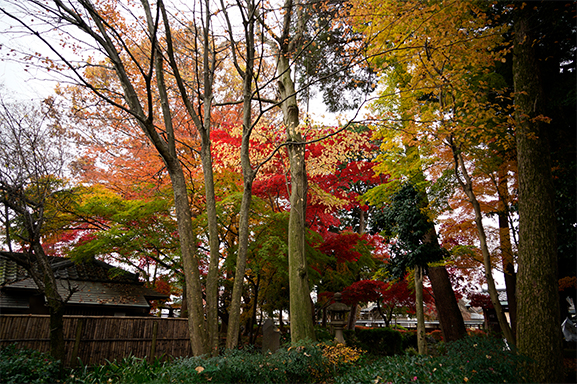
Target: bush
341,357
488,359
409,339
128,370
437,335
473,360
376,341
298,364
21,365
323,334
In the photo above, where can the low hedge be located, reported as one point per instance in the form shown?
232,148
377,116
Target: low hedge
376,341
22,365
409,339
478,359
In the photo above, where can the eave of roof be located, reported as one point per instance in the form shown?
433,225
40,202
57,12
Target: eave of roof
94,283
96,292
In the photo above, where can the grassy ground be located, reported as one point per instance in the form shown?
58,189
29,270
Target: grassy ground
478,359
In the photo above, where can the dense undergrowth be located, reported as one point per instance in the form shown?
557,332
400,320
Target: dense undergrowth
476,359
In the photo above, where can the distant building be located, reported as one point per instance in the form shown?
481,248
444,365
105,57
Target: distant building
98,289
369,317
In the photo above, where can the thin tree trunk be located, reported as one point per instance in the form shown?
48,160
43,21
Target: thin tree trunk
467,186
206,157
184,303
352,320
193,291
248,178
253,320
55,305
46,281
419,303
354,308
538,314
507,250
386,318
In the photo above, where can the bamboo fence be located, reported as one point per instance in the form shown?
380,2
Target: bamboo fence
95,339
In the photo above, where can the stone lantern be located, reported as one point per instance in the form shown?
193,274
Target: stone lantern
338,313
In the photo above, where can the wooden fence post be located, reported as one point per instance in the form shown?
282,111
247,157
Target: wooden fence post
79,328
153,346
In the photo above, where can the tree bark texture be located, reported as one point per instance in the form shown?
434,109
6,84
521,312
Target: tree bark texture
55,304
214,243
248,174
190,261
507,251
300,309
419,304
538,322
450,317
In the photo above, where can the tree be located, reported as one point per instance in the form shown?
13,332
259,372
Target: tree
390,297
34,194
300,302
538,308
446,97
299,29
405,223
140,233
131,67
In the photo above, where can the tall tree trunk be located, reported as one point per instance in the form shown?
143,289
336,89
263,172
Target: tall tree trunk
214,243
301,324
57,345
248,177
190,261
55,305
466,183
507,250
450,316
419,304
206,158
46,281
195,311
538,317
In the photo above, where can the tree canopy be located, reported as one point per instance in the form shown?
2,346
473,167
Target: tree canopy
196,163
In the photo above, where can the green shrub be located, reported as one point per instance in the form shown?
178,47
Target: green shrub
488,359
376,341
129,370
323,334
21,365
298,364
472,360
409,339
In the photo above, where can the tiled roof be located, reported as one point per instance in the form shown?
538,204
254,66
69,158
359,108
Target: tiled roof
94,270
93,283
10,271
